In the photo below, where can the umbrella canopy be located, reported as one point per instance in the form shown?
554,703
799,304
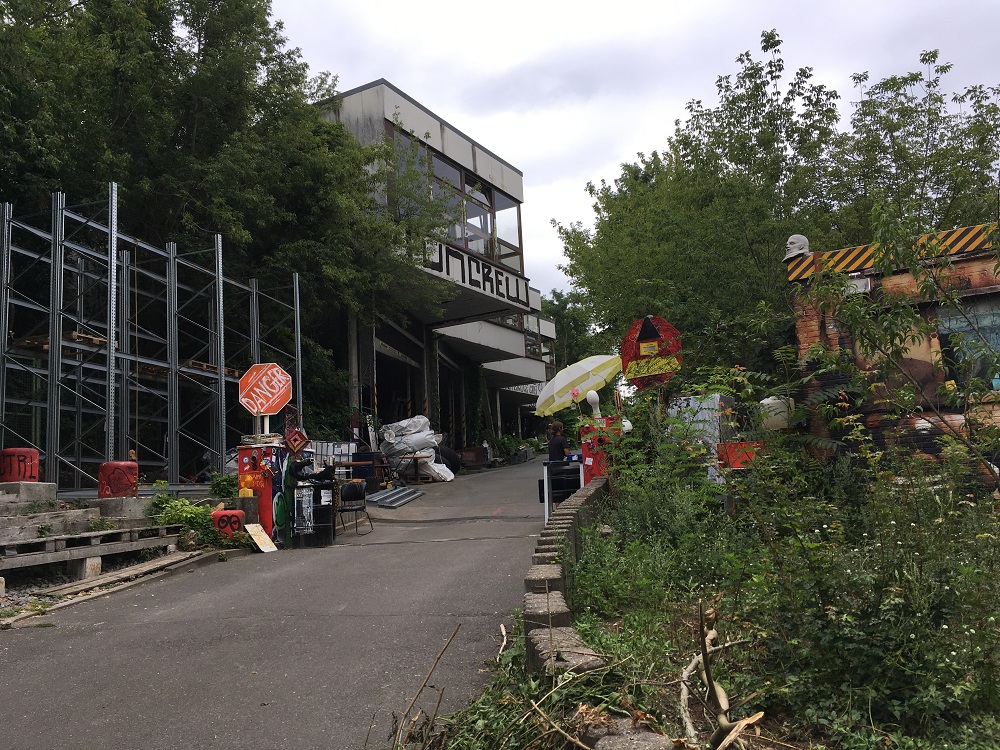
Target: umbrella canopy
588,374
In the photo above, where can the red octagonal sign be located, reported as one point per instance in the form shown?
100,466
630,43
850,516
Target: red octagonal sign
265,389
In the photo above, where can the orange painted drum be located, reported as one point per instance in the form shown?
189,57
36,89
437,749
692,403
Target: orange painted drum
228,522
118,479
18,465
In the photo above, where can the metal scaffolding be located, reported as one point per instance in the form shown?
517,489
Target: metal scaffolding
113,347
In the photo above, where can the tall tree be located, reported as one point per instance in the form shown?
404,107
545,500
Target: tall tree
919,156
697,233
208,122
574,321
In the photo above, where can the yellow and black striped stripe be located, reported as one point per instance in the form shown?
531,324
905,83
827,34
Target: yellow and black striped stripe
860,258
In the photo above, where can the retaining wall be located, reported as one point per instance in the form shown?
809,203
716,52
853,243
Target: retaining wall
551,642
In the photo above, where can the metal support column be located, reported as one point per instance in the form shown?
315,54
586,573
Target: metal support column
298,344
173,384
499,422
464,441
255,339
220,357
354,375
6,215
56,282
126,343
110,447
255,320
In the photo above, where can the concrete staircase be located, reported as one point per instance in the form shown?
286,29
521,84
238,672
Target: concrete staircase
36,530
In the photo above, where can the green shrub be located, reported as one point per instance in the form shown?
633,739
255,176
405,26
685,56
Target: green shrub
161,496
868,583
881,608
196,518
224,485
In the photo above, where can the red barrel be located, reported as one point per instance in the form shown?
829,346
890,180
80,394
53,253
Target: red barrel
18,465
118,479
228,522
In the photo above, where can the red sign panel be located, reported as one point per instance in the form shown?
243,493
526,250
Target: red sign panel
651,352
265,389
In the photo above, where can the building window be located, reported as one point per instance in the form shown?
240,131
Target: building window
508,220
479,227
970,342
486,221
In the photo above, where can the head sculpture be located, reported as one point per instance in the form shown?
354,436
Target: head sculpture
797,245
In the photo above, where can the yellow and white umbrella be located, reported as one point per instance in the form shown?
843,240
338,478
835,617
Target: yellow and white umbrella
572,383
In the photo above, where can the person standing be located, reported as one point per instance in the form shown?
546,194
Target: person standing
558,445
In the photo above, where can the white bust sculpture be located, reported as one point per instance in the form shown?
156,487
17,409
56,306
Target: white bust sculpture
797,245
595,403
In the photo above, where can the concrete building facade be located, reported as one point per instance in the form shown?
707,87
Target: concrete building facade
475,367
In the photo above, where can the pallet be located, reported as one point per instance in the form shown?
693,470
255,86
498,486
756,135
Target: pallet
33,342
90,544
150,371
88,539
42,342
85,338
195,364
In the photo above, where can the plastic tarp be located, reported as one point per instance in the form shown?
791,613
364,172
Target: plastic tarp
413,440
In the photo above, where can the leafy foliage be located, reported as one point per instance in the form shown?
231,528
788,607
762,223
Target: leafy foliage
223,485
696,231
210,124
574,322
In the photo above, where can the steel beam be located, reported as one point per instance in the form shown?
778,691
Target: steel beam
6,214
112,329
298,344
56,284
220,354
173,384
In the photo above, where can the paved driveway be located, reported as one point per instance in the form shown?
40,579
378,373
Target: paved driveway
298,649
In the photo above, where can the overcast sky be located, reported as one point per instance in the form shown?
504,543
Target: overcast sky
568,91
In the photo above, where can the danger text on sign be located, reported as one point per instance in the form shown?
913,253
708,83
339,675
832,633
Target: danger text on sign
265,389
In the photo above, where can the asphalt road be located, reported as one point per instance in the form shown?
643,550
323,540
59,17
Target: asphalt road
308,648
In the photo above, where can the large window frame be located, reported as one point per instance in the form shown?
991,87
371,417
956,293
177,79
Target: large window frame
478,229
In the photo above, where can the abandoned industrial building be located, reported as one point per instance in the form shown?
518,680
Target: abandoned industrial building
115,347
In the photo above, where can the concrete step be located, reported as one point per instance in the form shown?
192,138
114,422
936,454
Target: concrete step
40,493
14,529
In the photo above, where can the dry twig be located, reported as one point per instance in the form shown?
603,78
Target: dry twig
555,726
400,735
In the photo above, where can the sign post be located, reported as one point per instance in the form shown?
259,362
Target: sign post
265,389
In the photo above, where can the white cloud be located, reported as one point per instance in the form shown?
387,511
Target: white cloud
568,91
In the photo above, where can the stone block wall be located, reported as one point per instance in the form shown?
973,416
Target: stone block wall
552,644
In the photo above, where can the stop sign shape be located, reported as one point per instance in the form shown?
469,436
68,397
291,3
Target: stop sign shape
265,389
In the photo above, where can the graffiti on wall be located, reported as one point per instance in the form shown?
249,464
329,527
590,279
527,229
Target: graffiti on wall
477,273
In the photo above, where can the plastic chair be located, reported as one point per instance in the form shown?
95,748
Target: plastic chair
352,500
